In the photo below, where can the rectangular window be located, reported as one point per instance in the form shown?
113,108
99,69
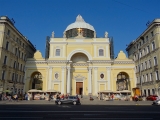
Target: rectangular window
157,75
7,44
8,32
151,77
143,78
146,77
148,50
153,46
57,52
12,76
153,92
101,53
3,75
144,51
146,38
15,51
155,61
5,60
150,64
152,34
145,64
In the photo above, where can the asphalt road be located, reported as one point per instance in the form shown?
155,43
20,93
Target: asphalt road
78,112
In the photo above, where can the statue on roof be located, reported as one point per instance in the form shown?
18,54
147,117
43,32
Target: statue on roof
106,34
53,34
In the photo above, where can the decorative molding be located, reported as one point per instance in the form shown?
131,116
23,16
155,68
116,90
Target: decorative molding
56,81
102,81
80,64
124,62
79,78
101,61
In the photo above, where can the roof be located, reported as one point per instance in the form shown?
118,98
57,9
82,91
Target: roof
80,23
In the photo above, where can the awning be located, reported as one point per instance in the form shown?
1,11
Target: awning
125,91
35,90
105,91
51,90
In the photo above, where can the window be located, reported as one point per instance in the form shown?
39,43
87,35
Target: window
148,50
143,41
144,51
15,51
137,46
22,56
155,61
153,92
21,67
18,66
143,79
153,46
139,68
146,77
3,75
142,66
139,43
7,43
57,52
8,32
157,75
136,69
151,77
12,76
152,34
145,64
5,60
101,52
14,65
20,78
150,64
147,38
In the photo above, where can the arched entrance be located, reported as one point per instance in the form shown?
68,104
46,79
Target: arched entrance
36,81
122,82
79,73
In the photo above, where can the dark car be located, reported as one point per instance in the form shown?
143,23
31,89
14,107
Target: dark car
152,97
70,100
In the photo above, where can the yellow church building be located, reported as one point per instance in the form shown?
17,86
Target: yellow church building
80,63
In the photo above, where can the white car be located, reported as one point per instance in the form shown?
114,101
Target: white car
156,102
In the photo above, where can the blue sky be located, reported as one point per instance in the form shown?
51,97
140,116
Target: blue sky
124,20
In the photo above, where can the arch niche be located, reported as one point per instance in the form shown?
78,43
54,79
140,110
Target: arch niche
36,81
122,82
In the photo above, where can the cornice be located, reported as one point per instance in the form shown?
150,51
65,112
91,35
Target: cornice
101,61
123,62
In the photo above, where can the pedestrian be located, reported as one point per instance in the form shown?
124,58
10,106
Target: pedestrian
112,96
26,96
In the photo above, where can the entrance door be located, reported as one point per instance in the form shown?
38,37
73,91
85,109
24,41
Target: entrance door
79,88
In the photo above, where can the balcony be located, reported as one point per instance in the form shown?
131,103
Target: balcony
155,67
4,66
157,81
148,83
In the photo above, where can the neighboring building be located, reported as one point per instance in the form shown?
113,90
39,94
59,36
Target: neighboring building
14,50
146,54
80,63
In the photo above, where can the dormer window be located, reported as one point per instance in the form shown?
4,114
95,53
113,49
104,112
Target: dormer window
57,52
101,52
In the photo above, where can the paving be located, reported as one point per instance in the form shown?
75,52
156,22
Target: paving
84,101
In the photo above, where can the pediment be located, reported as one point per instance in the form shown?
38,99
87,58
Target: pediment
79,77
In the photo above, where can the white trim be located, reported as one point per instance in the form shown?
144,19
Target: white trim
57,77
79,51
95,80
109,78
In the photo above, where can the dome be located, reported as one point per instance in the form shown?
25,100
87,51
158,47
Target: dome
80,23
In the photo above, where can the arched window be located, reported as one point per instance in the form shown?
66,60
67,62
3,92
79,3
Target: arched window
57,52
101,52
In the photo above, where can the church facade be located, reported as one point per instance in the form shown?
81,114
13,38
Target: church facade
80,63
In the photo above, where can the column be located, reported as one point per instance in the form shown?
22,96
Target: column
109,78
62,77
24,80
89,80
95,53
50,79
68,81
95,80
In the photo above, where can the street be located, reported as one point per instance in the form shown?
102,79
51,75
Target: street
50,111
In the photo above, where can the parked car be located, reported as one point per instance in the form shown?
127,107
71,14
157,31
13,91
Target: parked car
70,100
156,102
152,97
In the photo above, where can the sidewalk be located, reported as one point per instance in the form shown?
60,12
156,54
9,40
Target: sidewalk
83,102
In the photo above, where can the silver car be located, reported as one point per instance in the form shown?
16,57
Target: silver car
156,102
70,100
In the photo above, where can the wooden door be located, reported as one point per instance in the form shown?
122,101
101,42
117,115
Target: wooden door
79,87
